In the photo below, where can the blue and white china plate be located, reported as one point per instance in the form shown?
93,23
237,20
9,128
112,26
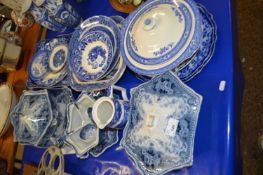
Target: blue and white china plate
206,50
112,78
82,133
31,117
107,138
59,99
102,24
118,20
160,132
91,55
148,45
38,66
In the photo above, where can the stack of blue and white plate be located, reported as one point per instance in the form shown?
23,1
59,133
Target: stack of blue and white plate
48,67
163,35
94,54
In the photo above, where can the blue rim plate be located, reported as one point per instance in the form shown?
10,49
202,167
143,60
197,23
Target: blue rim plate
170,60
91,55
38,66
104,83
160,132
207,47
118,20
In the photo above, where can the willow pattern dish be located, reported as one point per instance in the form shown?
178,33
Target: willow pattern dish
59,99
91,56
206,50
160,52
159,135
112,78
31,117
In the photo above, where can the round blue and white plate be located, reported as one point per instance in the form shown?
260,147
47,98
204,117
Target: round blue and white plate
160,35
38,66
58,58
206,50
91,56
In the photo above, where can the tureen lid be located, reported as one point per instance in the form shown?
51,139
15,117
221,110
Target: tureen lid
160,35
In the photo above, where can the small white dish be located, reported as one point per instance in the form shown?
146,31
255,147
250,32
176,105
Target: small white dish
7,103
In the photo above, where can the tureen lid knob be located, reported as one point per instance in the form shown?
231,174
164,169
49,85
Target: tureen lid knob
149,23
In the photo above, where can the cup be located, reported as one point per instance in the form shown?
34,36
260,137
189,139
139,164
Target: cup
111,111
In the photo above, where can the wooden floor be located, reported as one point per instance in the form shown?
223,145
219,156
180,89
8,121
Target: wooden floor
18,80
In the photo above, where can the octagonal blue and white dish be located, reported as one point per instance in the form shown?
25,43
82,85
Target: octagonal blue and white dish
38,66
59,100
112,78
150,45
91,56
31,117
159,135
206,50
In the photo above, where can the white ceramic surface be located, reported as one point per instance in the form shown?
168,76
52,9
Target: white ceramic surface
7,103
103,112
